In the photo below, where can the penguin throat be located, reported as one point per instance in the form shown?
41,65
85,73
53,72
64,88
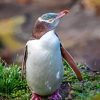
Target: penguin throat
38,35
40,29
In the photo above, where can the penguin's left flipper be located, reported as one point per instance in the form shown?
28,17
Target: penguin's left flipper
24,62
71,62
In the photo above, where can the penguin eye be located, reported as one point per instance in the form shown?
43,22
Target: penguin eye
50,20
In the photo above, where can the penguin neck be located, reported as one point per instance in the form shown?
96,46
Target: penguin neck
40,29
38,35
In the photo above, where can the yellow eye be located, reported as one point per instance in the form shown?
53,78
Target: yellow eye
50,20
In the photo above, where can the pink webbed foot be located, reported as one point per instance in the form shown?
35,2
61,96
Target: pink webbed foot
55,96
35,97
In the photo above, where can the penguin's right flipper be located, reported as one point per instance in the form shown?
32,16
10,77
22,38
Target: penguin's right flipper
71,62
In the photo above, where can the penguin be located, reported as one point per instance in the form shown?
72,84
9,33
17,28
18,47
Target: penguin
43,58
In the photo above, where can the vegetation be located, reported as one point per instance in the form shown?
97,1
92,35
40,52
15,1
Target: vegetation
88,89
12,87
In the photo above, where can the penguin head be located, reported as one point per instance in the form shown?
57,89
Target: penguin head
47,22
50,21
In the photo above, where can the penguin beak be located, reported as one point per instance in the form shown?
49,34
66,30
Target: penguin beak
61,14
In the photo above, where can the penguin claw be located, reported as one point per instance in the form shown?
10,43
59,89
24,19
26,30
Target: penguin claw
35,97
55,96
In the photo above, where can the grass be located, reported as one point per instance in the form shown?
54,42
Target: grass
12,87
11,84
88,89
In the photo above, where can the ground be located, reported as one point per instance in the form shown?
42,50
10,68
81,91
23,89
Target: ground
13,87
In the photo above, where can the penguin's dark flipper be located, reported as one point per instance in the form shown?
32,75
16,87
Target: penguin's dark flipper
24,62
71,62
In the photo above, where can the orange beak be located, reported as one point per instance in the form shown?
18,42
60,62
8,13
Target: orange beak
62,13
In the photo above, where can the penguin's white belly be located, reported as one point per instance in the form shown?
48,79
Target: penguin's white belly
44,68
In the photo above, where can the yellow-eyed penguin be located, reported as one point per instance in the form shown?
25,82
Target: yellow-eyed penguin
43,58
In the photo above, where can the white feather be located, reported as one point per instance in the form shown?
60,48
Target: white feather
44,68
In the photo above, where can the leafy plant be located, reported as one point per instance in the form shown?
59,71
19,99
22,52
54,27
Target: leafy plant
88,88
11,83
12,87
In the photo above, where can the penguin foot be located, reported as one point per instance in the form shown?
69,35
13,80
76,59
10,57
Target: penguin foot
55,96
35,97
